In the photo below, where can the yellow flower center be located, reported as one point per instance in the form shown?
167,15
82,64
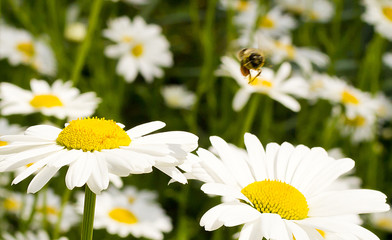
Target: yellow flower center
137,50
290,50
93,134
316,85
358,121
127,39
11,204
123,215
261,82
3,143
266,22
49,210
271,196
348,98
131,199
385,223
242,5
387,11
26,48
45,100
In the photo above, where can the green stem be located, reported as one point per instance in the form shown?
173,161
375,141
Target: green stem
88,214
254,102
83,50
64,200
267,118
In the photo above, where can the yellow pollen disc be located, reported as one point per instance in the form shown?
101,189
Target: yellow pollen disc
93,134
348,98
290,50
131,200
123,215
11,204
45,100
26,48
3,143
271,196
49,210
242,5
266,22
127,39
387,11
384,223
358,121
137,50
261,82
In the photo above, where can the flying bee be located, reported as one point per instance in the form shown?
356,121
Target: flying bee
251,59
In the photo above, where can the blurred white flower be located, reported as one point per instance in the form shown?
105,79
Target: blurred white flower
382,220
383,106
7,129
310,10
274,23
318,83
20,47
130,211
276,85
379,14
140,47
18,204
93,148
387,59
304,174
238,5
60,100
40,235
281,49
177,96
75,28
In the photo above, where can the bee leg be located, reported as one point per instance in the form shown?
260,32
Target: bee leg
252,79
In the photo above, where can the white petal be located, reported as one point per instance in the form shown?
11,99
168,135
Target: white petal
256,156
240,99
173,172
41,179
80,171
44,131
144,129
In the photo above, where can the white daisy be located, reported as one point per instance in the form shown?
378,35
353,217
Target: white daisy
387,59
238,5
75,29
379,14
140,47
51,207
355,101
358,127
277,86
281,192
274,23
60,100
281,49
18,204
20,47
318,83
93,148
40,235
383,106
382,220
130,212
177,96
311,10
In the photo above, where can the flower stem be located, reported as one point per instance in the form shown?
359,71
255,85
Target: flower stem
88,214
82,53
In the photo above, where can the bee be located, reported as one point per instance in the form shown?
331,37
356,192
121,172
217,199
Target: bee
251,59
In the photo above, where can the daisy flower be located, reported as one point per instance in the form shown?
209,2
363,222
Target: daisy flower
387,59
130,211
277,86
274,23
314,10
177,96
383,107
92,148
280,192
140,47
52,208
17,204
382,220
40,235
20,47
379,14
60,100
281,49
75,29
238,5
